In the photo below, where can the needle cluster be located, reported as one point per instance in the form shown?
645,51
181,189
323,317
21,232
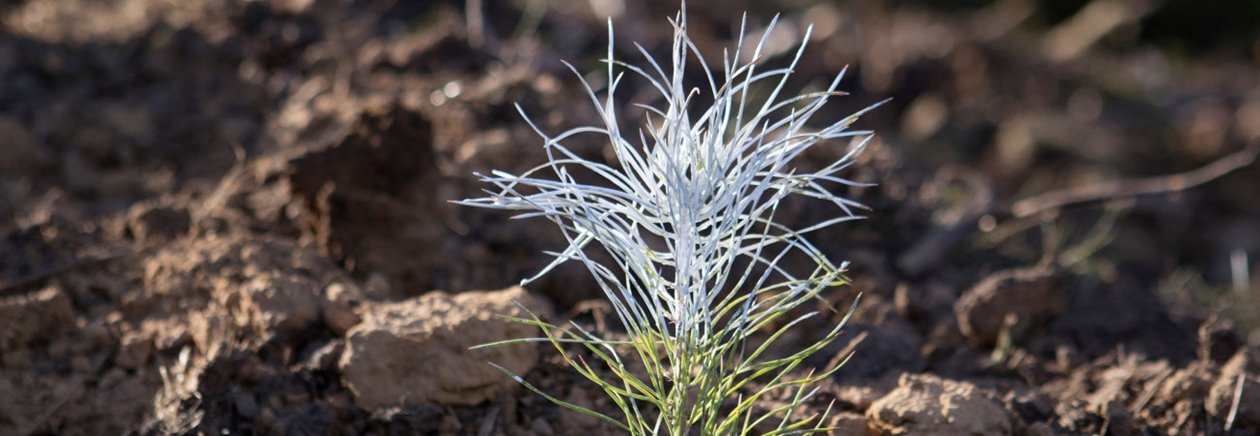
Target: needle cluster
685,214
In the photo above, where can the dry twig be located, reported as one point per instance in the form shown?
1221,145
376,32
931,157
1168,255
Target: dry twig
1054,200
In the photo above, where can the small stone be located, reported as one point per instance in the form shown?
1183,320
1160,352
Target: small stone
1032,296
417,350
926,404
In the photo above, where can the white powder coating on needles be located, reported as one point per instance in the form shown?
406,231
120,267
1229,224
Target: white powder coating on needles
686,214
706,185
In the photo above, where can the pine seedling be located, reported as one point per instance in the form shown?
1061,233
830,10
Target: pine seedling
695,263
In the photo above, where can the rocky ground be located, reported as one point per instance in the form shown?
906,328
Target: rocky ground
232,216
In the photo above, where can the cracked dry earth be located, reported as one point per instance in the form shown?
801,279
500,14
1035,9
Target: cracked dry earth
231,216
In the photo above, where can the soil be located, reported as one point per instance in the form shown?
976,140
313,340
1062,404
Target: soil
223,216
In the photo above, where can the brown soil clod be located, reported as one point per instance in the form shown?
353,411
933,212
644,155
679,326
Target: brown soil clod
925,404
1032,296
417,350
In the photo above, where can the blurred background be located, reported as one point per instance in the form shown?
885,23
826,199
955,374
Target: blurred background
104,104
1112,140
